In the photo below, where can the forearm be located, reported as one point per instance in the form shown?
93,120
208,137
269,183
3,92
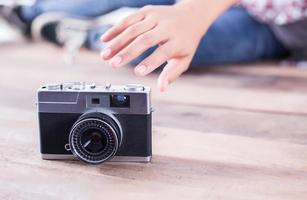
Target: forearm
205,12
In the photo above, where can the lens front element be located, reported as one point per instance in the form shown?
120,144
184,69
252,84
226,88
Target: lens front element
93,140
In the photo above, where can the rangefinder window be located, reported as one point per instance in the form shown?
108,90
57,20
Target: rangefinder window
120,101
95,101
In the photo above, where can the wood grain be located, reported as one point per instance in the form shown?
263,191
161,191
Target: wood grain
219,133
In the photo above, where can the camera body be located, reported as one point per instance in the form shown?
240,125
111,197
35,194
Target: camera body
95,123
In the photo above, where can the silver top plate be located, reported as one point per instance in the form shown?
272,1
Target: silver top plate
81,86
78,97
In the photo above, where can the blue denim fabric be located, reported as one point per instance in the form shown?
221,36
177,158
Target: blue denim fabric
235,37
85,8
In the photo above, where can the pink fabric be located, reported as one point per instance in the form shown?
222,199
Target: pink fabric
277,11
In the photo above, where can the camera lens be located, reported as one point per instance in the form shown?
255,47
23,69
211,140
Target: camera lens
94,140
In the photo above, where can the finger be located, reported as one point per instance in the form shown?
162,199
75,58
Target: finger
137,47
117,29
173,69
127,36
155,60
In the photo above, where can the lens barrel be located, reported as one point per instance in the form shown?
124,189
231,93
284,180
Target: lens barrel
94,138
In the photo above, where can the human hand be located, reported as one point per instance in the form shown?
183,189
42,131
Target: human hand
175,29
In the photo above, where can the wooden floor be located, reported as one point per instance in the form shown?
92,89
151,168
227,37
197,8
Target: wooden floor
221,133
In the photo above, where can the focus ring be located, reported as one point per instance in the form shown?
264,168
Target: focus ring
78,149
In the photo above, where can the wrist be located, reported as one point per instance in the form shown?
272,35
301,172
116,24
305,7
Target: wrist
204,12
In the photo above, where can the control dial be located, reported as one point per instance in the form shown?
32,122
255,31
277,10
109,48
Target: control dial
134,87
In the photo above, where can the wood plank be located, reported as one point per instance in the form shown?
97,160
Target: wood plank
270,126
260,70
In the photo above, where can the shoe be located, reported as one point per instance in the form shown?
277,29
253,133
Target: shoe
74,32
44,27
10,12
11,3
12,17
58,27
63,30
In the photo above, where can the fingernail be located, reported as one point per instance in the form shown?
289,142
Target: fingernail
103,37
163,85
116,61
106,53
141,69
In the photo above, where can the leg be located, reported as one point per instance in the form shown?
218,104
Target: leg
86,8
235,38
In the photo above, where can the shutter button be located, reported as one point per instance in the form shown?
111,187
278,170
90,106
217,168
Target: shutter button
55,87
108,86
134,87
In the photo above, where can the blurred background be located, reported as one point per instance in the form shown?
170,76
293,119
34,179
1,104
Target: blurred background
70,25
74,25
235,132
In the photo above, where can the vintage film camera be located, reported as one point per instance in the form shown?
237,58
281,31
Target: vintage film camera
95,123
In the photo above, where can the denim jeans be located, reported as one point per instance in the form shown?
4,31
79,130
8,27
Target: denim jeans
235,37
85,8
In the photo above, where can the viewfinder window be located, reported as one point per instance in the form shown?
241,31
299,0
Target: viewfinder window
95,101
120,100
